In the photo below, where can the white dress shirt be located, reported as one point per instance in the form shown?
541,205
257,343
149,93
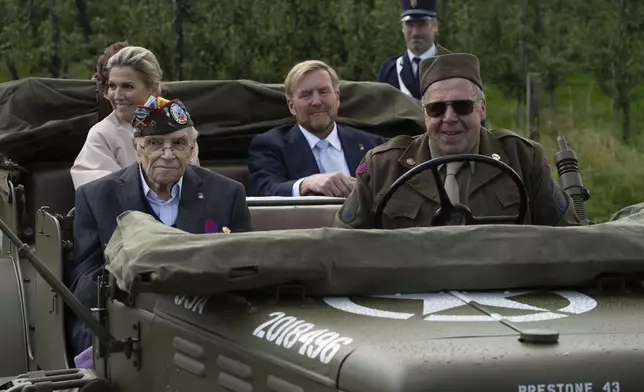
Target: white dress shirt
429,53
335,149
166,210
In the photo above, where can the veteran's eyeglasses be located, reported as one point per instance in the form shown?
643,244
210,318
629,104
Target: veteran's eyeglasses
461,107
180,147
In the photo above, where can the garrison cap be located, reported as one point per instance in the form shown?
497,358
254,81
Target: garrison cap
418,9
447,66
160,116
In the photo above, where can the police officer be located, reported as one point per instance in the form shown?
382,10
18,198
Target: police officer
419,26
454,106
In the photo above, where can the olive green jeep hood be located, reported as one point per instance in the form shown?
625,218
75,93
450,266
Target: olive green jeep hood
433,309
146,256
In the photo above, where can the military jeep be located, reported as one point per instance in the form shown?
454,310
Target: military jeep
297,305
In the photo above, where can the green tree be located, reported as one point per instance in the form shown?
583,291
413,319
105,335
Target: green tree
616,53
556,45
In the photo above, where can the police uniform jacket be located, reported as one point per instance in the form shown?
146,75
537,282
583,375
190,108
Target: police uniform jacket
398,72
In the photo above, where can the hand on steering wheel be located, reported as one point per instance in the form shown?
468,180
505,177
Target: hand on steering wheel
458,214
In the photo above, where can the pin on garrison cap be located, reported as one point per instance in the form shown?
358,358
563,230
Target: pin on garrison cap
448,66
418,9
160,116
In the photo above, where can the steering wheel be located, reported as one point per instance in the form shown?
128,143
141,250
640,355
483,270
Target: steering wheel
458,214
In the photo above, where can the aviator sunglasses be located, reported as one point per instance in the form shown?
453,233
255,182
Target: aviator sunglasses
438,109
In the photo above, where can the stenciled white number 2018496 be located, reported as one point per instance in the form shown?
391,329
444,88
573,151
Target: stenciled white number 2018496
286,331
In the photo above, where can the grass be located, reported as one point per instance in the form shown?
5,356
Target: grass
612,170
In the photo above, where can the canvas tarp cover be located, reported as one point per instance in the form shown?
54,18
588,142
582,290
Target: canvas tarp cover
146,256
45,120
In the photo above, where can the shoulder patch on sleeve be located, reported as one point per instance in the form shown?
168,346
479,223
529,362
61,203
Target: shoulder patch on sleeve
348,210
363,168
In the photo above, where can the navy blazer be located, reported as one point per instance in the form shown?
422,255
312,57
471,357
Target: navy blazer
388,74
281,156
205,195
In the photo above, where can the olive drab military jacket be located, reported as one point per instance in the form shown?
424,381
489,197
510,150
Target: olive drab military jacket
489,191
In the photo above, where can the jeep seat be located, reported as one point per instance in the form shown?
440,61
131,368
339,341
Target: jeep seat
284,213
49,184
236,170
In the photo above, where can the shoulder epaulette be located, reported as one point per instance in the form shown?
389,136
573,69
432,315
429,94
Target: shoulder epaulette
504,133
395,143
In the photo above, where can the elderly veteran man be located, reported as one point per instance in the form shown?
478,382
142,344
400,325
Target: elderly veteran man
454,106
161,183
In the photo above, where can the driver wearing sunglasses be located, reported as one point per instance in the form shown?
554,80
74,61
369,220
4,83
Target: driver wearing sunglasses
453,105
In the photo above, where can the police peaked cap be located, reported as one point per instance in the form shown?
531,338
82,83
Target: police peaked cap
418,9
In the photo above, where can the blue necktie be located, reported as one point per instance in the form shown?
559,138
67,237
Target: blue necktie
328,163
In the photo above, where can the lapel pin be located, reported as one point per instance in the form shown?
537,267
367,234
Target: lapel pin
361,147
411,161
496,157
200,195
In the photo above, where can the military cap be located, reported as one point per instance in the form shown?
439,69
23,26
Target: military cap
447,66
160,116
418,9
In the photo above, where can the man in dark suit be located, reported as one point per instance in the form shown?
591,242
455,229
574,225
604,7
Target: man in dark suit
419,26
316,155
161,183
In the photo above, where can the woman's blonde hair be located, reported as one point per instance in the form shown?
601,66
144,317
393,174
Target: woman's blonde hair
141,60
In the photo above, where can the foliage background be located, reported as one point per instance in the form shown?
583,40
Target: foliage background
589,55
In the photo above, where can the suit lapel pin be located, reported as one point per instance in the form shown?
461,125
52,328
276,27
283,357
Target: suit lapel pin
200,195
361,147
496,157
